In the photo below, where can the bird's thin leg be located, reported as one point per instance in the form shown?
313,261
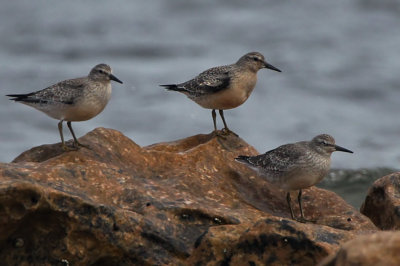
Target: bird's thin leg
290,205
76,142
214,116
221,113
60,129
301,209
302,218
226,129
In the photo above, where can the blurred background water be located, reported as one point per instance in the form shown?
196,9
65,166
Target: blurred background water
340,62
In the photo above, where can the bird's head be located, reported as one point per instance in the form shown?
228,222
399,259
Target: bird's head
103,72
325,144
255,61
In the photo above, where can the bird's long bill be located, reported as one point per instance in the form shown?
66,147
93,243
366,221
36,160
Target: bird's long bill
266,65
112,77
338,148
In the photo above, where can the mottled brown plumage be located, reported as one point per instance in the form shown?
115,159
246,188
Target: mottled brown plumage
224,87
295,166
70,100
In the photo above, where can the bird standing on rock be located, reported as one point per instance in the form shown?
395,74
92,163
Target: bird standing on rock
71,100
295,166
224,87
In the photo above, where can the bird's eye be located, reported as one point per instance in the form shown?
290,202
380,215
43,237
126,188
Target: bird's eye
101,71
256,59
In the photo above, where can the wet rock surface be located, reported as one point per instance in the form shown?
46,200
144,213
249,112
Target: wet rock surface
381,248
185,202
382,204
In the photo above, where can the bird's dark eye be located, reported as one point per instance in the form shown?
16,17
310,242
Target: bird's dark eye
101,71
256,59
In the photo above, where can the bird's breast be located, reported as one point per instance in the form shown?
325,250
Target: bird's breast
309,173
92,102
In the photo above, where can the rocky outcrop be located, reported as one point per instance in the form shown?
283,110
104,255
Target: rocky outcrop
382,204
185,202
381,248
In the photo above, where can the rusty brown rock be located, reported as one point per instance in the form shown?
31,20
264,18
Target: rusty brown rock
185,202
270,241
382,204
377,249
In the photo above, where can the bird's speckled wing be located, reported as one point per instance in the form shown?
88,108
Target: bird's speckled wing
63,92
210,81
282,159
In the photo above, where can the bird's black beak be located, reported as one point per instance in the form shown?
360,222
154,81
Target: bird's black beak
266,65
338,148
112,77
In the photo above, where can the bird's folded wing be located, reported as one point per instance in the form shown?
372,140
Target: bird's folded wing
65,92
281,159
208,82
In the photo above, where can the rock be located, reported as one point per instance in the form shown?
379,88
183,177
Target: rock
382,204
381,248
184,202
270,241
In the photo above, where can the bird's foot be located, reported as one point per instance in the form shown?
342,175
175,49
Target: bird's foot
218,134
227,131
66,148
77,145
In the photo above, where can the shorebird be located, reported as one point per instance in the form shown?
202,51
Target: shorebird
224,87
295,166
71,100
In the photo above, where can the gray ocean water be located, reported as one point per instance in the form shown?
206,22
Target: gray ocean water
340,62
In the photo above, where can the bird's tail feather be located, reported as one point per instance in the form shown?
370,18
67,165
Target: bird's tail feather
25,98
18,97
173,87
242,159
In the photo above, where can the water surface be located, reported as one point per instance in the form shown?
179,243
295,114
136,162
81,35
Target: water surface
340,62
